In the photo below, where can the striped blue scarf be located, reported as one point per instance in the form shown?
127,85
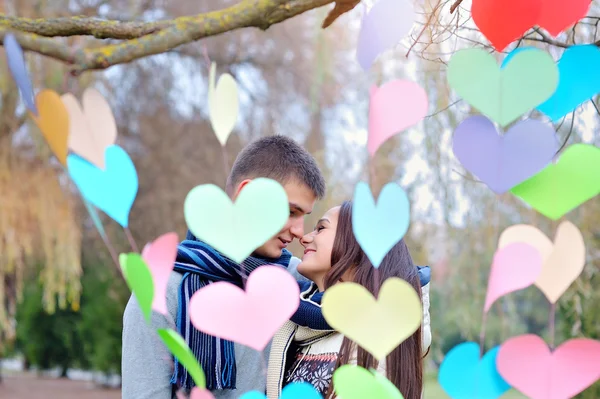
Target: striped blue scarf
200,264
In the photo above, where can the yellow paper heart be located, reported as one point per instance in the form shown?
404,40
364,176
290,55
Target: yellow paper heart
53,121
563,260
223,104
378,326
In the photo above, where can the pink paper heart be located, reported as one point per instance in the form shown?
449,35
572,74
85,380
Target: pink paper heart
527,364
160,257
395,106
198,393
515,267
249,318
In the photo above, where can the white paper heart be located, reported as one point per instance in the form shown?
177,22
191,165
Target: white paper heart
223,104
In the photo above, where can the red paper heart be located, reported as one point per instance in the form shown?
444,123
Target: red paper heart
558,15
526,363
504,21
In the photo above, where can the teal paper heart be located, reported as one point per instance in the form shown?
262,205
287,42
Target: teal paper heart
378,228
503,95
295,390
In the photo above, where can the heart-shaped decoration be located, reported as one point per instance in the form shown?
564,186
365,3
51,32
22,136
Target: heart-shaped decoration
578,81
395,106
378,326
260,211
223,104
504,21
378,227
91,129
160,258
527,364
558,15
179,348
18,70
504,95
515,267
294,390
53,121
502,162
564,185
353,382
139,279
464,375
562,261
382,28
113,190
249,318
196,393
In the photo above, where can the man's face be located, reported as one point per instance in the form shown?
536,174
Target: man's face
301,200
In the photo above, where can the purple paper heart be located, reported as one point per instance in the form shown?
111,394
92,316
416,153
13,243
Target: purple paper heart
502,162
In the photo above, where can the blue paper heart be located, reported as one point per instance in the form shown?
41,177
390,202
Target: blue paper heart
18,69
464,376
113,190
516,51
578,81
295,390
378,228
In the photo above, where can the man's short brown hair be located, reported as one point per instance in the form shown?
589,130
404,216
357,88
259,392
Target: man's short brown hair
279,158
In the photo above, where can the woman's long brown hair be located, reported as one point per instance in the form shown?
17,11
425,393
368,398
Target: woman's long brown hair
404,366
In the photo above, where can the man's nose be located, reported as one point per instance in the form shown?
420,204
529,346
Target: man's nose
297,228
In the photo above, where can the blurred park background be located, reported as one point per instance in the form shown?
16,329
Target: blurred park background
62,297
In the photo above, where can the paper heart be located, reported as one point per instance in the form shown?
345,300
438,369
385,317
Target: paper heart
112,190
223,104
515,267
294,390
160,258
505,21
562,262
395,106
378,227
502,162
464,375
503,95
564,185
378,326
198,393
18,70
249,318
260,211
558,15
578,81
139,279
384,26
53,121
527,364
179,348
91,129
353,382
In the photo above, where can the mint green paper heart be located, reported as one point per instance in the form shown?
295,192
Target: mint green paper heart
503,95
139,279
354,382
562,187
184,355
260,211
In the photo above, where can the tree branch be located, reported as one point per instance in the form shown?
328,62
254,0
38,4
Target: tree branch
144,39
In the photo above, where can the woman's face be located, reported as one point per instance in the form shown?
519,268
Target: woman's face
318,244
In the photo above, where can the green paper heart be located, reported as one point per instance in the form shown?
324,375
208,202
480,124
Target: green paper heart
184,355
139,279
260,211
563,186
503,95
354,382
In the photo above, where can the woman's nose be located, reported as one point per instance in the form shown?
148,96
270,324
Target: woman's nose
306,239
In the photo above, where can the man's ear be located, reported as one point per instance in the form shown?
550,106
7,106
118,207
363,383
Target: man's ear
239,188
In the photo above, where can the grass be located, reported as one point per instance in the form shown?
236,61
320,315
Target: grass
433,390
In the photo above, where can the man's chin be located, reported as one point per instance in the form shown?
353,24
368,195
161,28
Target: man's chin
272,251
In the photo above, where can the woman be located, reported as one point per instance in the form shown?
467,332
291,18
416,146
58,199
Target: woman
332,255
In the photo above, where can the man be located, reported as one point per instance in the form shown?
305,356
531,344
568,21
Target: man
147,372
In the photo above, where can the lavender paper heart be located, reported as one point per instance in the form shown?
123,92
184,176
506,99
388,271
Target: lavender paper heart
502,162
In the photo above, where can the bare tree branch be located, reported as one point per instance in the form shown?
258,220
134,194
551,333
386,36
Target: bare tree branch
144,39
